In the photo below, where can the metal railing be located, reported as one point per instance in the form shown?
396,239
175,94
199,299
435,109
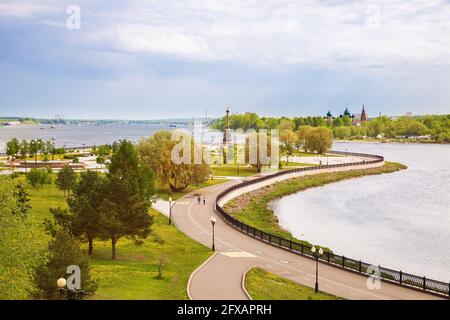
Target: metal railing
343,262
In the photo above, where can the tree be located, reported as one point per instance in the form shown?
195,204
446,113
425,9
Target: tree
24,149
303,134
156,152
66,179
22,200
342,132
34,149
12,147
286,124
85,208
126,165
38,177
288,140
126,195
123,213
63,251
320,139
200,173
17,254
254,148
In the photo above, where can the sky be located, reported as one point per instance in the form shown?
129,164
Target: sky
139,59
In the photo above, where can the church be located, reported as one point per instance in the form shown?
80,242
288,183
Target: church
357,119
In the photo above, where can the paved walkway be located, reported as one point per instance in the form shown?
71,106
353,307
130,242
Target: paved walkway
221,276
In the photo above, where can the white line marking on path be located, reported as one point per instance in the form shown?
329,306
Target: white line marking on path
238,254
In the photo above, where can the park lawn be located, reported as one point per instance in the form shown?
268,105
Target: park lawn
164,192
296,164
132,274
263,285
232,170
253,208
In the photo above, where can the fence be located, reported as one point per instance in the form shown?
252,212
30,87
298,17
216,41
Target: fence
389,275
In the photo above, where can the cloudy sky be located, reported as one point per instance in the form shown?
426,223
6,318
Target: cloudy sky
141,59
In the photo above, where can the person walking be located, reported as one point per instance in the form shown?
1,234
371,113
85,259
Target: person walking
198,199
204,200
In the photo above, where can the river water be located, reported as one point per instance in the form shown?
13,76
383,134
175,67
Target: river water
399,220
73,135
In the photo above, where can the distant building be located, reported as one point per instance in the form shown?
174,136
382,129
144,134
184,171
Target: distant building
357,119
11,123
363,117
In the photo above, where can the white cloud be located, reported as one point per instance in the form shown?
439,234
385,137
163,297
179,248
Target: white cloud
334,34
26,9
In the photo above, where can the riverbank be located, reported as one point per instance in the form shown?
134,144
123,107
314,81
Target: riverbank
253,208
393,140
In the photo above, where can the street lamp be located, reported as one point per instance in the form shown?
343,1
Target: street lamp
170,210
53,148
319,253
70,294
213,222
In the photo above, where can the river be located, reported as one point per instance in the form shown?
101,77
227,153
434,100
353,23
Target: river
399,220
73,135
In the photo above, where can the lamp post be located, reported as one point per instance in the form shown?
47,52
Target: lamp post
319,253
53,148
213,222
70,294
170,210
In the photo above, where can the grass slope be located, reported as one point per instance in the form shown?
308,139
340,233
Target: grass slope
252,208
263,285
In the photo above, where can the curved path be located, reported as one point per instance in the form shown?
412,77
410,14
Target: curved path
220,277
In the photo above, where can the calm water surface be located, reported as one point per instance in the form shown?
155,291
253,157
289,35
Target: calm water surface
77,135
399,220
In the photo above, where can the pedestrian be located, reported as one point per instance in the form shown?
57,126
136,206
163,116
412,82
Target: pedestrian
198,199
204,199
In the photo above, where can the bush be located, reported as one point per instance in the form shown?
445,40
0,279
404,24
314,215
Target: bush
39,177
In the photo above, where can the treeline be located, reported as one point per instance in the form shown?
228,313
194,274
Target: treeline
437,127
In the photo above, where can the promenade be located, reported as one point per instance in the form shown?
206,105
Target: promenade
220,277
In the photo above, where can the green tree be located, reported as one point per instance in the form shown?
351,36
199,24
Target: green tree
303,133
127,194
66,179
63,251
24,149
123,213
85,208
342,132
34,149
12,147
200,173
288,140
22,207
38,177
156,153
17,254
319,139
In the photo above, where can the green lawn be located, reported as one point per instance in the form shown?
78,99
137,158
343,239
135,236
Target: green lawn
295,164
232,170
133,274
252,208
263,285
164,192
